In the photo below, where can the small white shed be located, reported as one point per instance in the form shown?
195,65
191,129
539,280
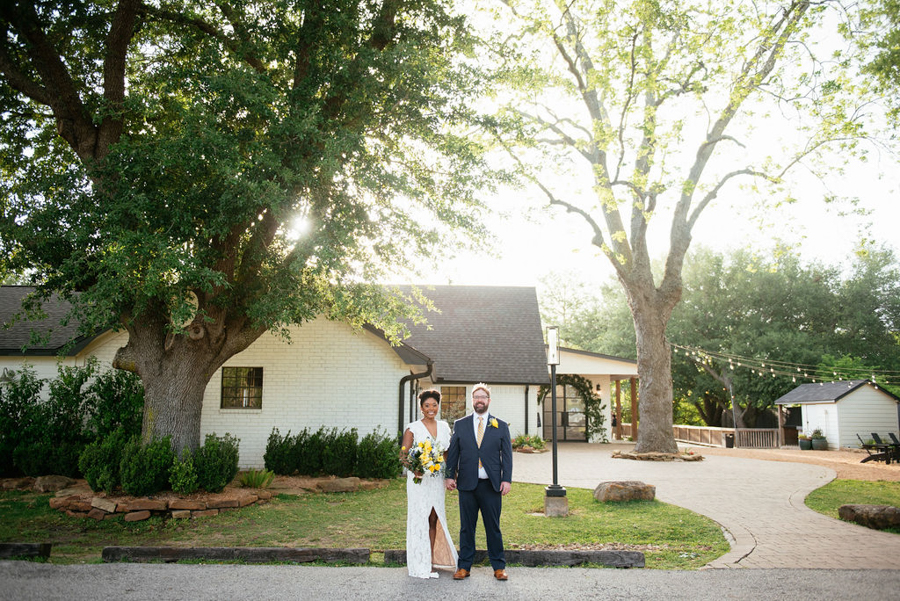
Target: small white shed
844,409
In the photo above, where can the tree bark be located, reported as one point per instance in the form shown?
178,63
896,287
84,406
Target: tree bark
654,362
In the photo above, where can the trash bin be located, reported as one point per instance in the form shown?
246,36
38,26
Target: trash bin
729,441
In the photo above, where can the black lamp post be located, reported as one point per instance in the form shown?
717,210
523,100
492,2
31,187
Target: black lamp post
554,490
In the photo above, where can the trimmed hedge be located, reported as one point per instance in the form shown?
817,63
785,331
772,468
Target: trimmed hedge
331,452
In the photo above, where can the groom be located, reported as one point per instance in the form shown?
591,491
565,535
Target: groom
479,464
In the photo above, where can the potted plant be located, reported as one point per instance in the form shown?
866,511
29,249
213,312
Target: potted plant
805,442
819,443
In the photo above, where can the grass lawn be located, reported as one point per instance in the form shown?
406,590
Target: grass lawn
828,499
669,536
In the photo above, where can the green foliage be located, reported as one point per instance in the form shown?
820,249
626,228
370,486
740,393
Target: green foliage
257,478
40,437
339,454
100,461
279,456
343,454
183,476
144,469
378,456
309,449
271,157
216,462
115,400
527,440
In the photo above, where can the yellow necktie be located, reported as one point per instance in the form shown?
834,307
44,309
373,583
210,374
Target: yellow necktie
480,436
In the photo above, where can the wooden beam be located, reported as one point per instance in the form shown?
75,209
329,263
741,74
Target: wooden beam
634,409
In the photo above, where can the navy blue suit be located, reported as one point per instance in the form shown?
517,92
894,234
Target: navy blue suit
480,495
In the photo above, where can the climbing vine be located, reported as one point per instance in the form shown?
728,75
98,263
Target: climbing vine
593,404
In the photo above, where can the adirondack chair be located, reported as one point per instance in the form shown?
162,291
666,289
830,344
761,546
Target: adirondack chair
894,438
882,451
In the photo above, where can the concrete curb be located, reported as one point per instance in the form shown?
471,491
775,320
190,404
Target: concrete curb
10,550
533,559
246,554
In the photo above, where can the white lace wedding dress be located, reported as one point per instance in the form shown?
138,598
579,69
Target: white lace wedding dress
421,499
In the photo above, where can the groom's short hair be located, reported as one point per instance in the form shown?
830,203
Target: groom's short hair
481,386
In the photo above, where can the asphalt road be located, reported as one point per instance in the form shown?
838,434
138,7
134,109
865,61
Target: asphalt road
24,581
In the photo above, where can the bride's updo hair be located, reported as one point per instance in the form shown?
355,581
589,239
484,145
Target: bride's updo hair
429,394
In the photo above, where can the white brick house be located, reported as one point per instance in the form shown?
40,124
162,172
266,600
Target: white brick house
334,376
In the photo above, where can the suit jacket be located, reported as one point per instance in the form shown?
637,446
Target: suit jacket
495,454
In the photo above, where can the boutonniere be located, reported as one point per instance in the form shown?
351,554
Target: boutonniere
493,422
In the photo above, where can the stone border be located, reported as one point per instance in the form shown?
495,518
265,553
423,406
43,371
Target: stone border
538,558
136,510
246,554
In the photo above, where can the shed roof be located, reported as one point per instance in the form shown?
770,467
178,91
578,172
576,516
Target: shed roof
826,392
483,333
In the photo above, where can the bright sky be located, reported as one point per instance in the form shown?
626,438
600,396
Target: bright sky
553,241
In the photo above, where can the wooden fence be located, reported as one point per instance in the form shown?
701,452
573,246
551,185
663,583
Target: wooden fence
746,438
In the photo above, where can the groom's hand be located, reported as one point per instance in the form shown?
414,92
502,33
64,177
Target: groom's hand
504,488
450,484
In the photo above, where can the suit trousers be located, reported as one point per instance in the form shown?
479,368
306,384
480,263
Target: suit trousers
487,500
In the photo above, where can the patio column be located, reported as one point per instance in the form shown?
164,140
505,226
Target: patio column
634,409
618,409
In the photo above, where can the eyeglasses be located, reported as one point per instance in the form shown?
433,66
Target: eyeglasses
480,396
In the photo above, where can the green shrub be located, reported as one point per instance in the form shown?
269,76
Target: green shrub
20,399
216,462
280,456
308,449
100,460
378,456
183,476
145,468
339,455
257,478
116,400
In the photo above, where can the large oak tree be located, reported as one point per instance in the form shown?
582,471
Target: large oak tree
198,173
627,112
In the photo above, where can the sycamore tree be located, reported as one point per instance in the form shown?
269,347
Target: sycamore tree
199,173
634,115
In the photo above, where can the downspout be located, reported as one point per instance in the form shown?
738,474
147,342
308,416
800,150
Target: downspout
403,381
526,409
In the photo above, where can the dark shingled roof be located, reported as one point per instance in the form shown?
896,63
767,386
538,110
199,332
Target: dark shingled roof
52,335
825,392
483,333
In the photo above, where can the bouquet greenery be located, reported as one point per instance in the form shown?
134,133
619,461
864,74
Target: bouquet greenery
425,459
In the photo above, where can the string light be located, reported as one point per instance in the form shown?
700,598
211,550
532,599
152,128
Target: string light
786,368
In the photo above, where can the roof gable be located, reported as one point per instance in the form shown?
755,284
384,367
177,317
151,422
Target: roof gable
483,333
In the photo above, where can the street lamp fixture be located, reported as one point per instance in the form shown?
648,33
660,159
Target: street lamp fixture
555,502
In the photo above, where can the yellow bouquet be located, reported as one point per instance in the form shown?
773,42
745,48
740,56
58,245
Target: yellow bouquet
426,458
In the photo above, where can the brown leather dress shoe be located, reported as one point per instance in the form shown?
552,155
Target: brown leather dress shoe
501,575
461,574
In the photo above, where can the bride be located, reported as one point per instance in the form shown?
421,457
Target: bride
428,543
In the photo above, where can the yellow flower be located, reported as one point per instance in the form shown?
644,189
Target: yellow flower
494,422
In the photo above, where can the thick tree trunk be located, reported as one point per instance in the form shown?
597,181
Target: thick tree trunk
175,371
654,363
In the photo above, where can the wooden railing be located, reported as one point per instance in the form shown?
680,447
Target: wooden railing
747,438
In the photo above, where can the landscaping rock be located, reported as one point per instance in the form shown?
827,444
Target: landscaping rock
658,456
137,516
18,483
208,513
97,514
187,504
264,495
181,514
624,491
340,485
146,504
878,517
221,502
104,504
52,483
